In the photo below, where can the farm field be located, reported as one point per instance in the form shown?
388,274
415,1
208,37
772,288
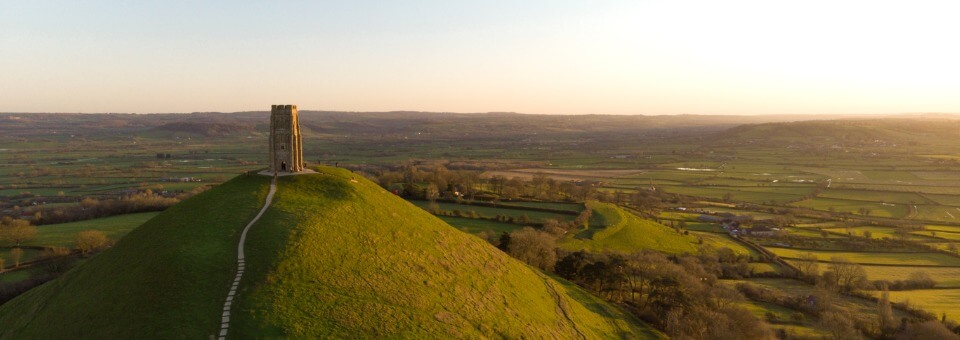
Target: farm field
880,233
874,196
490,212
476,225
849,304
115,227
762,309
937,301
918,259
574,207
852,207
29,254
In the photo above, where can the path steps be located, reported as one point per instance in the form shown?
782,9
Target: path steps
225,317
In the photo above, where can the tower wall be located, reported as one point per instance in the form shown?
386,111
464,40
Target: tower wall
286,148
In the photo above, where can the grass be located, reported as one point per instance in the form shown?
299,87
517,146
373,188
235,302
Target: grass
761,309
945,277
473,225
845,304
489,212
874,196
164,279
574,207
626,232
848,206
937,301
336,258
716,241
115,227
905,259
14,276
29,254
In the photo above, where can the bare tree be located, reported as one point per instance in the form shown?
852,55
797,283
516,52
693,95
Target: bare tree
809,265
849,275
534,247
16,254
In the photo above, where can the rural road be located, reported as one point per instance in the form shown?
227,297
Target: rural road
225,318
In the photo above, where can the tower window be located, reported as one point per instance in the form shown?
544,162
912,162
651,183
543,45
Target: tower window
283,147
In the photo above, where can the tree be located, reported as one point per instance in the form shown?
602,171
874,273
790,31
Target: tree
902,234
17,231
2,264
927,330
431,192
16,254
839,325
809,265
504,243
885,312
90,240
536,248
849,275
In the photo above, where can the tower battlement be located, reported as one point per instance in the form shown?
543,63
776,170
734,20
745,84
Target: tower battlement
283,107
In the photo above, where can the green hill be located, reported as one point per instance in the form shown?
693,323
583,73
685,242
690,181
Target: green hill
332,257
847,133
625,232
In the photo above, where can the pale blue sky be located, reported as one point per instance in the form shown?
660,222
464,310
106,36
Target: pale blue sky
617,57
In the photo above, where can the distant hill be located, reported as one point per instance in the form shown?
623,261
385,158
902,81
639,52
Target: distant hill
207,128
843,133
335,256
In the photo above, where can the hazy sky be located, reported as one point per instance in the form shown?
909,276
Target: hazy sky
616,57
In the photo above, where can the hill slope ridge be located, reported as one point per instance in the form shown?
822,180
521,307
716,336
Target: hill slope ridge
334,256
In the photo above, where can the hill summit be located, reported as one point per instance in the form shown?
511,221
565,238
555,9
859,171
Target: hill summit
333,256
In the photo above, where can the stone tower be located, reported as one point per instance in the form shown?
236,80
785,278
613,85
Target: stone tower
286,150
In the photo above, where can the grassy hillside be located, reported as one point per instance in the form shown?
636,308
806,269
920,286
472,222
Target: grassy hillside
333,257
623,231
165,279
359,260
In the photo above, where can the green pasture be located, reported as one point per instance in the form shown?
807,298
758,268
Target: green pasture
761,309
576,207
945,228
905,259
846,206
29,254
889,175
764,267
476,225
920,186
945,277
490,212
115,227
14,276
715,241
877,232
937,301
874,196
740,195
938,213
845,304
626,232
953,200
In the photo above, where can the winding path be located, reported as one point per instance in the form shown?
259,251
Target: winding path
225,318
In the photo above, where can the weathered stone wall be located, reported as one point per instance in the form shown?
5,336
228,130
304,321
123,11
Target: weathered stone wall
286,148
